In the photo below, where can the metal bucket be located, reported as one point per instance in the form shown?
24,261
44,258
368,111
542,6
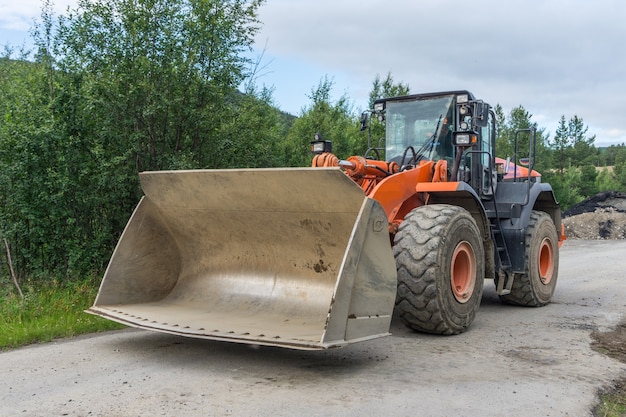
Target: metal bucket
292,257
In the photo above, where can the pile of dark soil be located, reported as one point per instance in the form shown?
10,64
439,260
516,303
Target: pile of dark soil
602,216
606,200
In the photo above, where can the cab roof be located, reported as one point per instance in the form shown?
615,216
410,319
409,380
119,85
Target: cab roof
413,97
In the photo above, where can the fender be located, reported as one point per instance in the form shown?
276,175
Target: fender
457,194
521,198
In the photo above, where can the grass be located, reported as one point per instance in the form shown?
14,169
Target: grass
612,403
48,311
611,406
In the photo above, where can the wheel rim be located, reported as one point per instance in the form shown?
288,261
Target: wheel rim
463,272
546,261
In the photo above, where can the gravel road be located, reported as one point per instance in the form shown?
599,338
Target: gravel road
513,361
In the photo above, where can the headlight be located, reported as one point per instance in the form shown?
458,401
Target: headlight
379,107
321,146
463,98
465,139
462,139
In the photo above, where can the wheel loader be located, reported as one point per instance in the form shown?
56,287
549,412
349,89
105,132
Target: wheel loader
320,257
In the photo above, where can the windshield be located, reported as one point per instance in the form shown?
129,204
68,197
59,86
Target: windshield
425,123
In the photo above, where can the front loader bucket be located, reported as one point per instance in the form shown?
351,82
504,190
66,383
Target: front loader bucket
293,257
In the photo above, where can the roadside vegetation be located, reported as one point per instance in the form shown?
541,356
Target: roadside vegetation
48,310
612,404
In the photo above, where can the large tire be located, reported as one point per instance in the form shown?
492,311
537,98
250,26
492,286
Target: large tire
440,262
535,287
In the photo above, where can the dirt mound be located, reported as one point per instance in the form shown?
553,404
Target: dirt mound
611,343
614,200
602,216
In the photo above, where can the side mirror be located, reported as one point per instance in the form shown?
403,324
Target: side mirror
481,113
363,121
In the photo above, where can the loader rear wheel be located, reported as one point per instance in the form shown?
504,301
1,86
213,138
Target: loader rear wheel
535,287
440,262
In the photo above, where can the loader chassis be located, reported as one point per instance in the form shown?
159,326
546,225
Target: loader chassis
451,185
317,258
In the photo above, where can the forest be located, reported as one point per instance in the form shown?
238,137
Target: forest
117,87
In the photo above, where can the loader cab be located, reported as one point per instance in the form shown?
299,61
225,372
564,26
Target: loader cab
451,125
418,127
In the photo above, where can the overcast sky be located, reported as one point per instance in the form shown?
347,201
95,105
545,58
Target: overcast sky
554,57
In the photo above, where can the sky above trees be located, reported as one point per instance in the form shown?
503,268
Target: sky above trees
554,57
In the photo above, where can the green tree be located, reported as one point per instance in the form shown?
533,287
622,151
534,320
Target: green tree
159,73
253,131
613,153
382,89
118,87
386,88
333,120
503,147
588,176
605,181
583,151
25,170
620,155
561,145
512,137
571,145
573,155
619,175
565,187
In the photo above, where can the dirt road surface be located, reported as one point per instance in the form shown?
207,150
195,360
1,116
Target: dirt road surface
513,361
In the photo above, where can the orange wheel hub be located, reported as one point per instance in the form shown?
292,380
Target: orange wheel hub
546,261
463,272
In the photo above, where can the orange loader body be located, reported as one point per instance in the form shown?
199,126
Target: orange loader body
256,256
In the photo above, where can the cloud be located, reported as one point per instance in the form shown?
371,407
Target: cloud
554,57
19,15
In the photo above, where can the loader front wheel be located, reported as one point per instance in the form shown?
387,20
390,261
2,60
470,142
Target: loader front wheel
440,262
535,287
